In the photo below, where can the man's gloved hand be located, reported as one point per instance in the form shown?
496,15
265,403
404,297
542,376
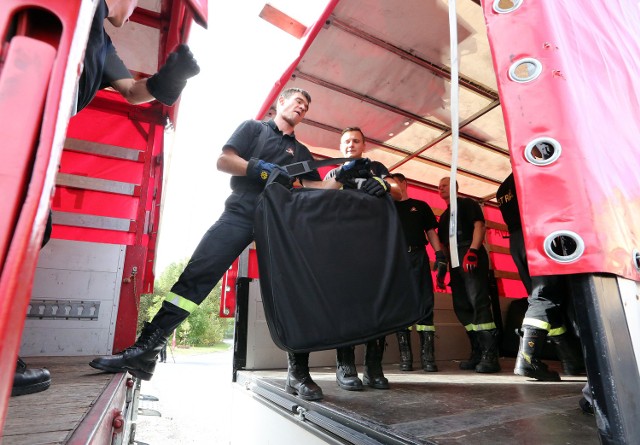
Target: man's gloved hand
440,265
441,260
375,186
470,261
167,84
260,171
357,168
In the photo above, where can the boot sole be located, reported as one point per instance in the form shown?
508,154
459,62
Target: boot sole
358,387
526,373
488,370
30,389
371,385
142,375
291,390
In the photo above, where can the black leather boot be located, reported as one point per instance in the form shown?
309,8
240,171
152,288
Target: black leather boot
29,380
476,353
427,354
346,372
528,363
569,353
489,345
373,375
299,381
139,359
404,345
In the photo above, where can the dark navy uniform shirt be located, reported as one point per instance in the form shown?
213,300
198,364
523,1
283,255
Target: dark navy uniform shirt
508,202
101,62
417,218
469,211
262,140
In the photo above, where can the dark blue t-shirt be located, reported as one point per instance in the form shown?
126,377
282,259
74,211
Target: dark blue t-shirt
101,62
262,140
469,211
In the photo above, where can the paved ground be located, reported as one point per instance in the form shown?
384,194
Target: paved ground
193,393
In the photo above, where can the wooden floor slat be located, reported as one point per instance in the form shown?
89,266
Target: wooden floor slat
51,416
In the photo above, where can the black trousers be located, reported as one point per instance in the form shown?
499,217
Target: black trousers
470,291
421,272
217,250
547,294
519,255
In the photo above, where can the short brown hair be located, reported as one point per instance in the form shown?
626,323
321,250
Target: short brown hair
291,91
348,129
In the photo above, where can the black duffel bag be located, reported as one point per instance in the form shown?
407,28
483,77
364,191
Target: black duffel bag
334,270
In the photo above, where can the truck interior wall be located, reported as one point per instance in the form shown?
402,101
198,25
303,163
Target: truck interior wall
262,353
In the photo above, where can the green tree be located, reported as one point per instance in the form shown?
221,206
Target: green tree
204,327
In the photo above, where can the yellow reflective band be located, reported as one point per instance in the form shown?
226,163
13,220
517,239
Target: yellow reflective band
469,327
536,323
410,328
485,326
425,328
557,331
181,302
381,181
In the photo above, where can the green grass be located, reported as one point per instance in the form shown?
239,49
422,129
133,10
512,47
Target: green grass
196,350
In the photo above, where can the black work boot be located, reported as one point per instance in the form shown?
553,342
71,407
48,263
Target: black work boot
427,354
299,381
139,359
29,380
569,353
373,375
404,345
489,345
346,372
528,363
476,353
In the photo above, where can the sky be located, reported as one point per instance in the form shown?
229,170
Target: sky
241,56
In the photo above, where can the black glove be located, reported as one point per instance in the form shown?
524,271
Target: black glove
357,168
440,265
167,84
375,186
260,171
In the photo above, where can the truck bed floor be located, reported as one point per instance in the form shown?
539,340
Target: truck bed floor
51,416
454,406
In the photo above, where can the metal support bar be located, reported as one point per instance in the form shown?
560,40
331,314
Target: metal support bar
93,221
112,151
96,184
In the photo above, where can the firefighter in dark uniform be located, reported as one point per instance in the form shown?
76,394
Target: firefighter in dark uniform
544,317
418,220
470,281
252,153
103,68
352,145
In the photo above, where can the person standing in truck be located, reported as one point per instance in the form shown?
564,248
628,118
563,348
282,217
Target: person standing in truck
470,281
103,68
547,294
352,145
251,154
419,225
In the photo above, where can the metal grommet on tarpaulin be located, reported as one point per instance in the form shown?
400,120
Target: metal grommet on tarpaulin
542,151
635,258
506,6
564,246
525,70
